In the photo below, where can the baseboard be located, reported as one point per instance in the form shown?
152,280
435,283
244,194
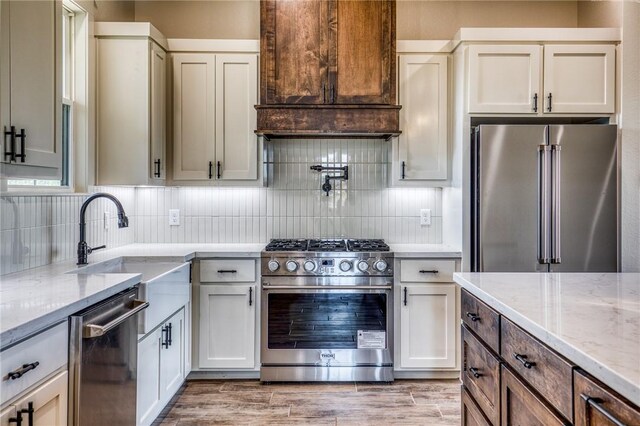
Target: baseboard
403,374
213,375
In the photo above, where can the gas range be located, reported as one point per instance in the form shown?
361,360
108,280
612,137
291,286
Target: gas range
327,257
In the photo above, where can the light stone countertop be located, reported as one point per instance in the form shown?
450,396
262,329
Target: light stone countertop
425,250
592,319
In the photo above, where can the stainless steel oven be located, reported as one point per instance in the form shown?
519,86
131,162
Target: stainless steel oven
325,317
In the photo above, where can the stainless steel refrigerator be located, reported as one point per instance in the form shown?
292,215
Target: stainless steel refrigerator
544,198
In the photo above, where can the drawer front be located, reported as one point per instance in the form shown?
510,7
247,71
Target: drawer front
427,270
595,404
480,318
471,413
521,405
481,375
49,349
228,270
546,371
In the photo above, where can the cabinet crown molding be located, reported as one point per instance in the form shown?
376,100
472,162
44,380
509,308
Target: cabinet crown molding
130,29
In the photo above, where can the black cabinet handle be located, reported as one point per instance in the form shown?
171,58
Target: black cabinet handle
218,170
523,360
474,372
535,102
429,271
332,94
29,411
405,297
250,296
10,148
165,337
13,375
17,419
169,334
549,102
227,271
156,164
473,317
210,169
23,141
596,404
404,166
324,92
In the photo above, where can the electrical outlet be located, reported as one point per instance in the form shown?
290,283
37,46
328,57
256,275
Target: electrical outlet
106,220
174,217
425,217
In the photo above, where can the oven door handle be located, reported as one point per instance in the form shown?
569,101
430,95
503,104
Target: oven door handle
327,287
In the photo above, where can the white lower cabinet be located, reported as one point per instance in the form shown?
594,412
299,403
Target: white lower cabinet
428,326
227,326
48,402
161,359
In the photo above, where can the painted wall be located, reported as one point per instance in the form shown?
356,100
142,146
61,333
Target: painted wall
630,141
109,10
415,19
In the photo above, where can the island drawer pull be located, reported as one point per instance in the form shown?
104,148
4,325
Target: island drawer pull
429,271
474,372
13,375
473,317
523,360
595,403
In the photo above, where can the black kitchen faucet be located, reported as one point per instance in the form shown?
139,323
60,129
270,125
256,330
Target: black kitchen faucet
83,249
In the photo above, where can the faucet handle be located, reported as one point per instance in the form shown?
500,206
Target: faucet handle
92,249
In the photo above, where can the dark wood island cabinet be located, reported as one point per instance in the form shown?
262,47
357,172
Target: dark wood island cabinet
511,378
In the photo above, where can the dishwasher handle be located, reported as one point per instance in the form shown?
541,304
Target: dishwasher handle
91,331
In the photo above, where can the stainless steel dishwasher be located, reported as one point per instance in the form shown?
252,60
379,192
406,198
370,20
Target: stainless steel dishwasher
103,362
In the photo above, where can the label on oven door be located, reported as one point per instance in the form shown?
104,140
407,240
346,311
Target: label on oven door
368,339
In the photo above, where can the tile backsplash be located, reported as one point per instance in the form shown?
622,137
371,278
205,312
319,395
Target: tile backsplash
38,230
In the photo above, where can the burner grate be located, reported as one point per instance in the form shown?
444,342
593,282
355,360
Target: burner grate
327,245
287,245
367,245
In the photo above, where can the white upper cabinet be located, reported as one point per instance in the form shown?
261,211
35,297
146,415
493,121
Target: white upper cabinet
30,86
423,94
131,106
542,79
504,78
579,78
214,116
236,97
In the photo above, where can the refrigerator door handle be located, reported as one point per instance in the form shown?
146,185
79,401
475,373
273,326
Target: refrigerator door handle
556,165
543,204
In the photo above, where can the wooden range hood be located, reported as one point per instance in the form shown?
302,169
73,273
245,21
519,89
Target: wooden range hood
327,69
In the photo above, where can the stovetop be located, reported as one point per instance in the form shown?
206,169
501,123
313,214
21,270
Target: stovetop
327,258
327,245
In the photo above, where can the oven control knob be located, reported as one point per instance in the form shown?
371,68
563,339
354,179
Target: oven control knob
273,265
291,265
345,265
380,265
309,265
363,266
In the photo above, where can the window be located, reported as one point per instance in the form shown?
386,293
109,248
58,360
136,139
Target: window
68,61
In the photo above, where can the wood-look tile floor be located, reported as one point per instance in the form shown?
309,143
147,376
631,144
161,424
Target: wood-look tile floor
249,402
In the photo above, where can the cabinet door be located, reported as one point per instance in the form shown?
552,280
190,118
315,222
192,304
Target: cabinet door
172,355
579,78
521,406
36,102
236,97
227,326
365,52
193,116
471,413
504,78
422,146
149,392
428,326
5,77
158,125
49,402
295,44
